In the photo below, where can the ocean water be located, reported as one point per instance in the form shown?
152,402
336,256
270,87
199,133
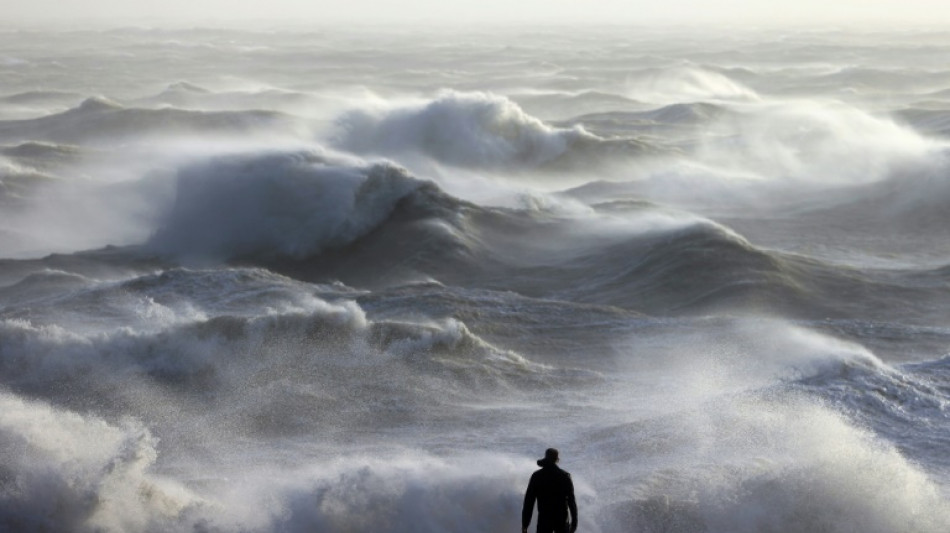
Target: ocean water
358,279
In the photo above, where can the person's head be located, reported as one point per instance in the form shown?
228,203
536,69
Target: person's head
550,457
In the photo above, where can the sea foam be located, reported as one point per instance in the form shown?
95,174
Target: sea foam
471,129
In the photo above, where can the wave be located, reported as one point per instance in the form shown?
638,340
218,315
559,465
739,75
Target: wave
41,97
893,399
26,168
693,113
702,267
32,104
184,95
38,286
697,268
765,415
673,121
909,202
685,84
183,87
40,152
814,471
562,105
479,130
927,121
185,347
407,493
291,205
940,93
18,182
805,142
65,471
902,79
777,428
99,120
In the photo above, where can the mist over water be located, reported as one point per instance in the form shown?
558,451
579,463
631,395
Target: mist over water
359,279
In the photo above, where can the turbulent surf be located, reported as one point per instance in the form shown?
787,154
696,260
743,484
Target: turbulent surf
351,280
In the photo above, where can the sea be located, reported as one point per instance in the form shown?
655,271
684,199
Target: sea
357,279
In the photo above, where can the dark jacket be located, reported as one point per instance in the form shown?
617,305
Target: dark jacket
554,491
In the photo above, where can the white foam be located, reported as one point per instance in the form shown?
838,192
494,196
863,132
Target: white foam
397,491
812,142
472,129
686,83
726,447
804,468
64,471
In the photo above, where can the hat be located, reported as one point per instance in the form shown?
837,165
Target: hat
550,457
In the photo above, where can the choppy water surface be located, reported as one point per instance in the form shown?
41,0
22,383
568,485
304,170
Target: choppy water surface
357,280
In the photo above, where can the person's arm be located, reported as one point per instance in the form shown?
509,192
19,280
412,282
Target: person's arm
571,503
529,496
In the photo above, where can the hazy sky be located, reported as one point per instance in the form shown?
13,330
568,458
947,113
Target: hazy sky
886,12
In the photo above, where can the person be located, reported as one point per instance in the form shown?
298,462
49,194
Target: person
554,492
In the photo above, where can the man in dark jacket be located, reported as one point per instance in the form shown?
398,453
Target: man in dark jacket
554,491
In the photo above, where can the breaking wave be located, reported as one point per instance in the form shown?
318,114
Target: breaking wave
64,471
686,84
813,472
479,130
281,205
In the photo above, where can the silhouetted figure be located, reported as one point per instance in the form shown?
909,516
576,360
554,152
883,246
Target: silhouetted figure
554,491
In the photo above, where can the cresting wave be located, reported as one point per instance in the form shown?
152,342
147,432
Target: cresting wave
686,83
469,129
63,471
284,204
480,130
802,141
